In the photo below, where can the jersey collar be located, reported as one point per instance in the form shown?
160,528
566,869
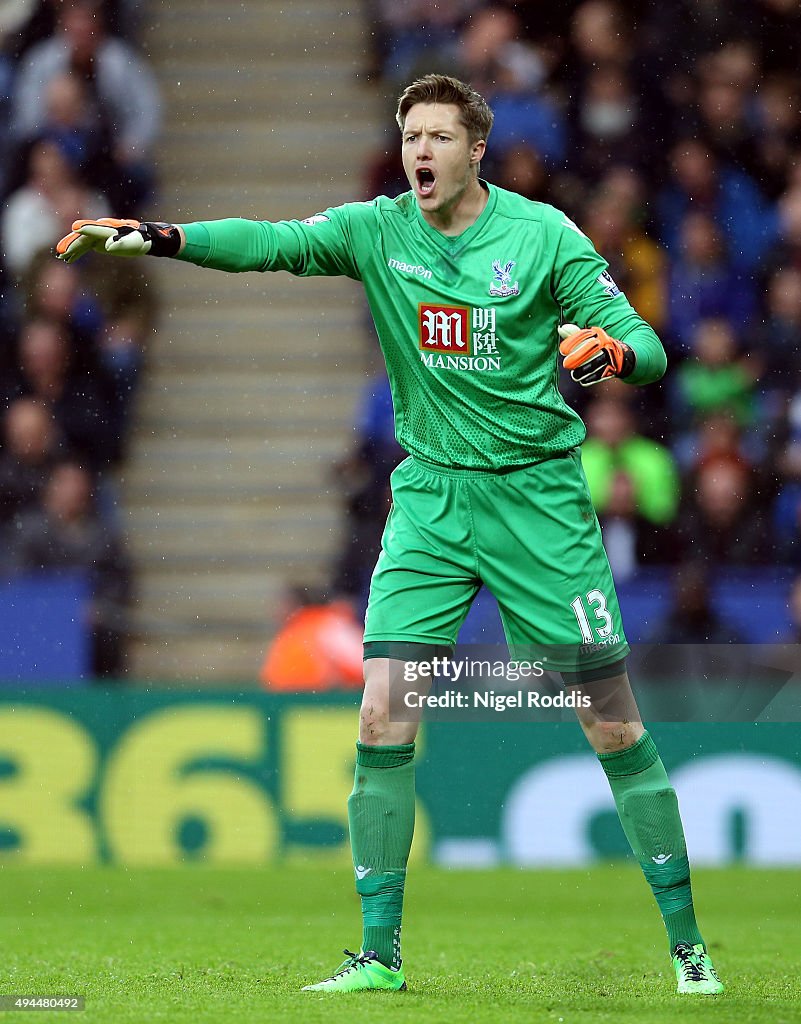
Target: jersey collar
454,243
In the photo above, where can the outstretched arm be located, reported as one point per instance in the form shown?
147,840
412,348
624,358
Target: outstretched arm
320,245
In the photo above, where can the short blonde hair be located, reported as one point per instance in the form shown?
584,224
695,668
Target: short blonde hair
474,111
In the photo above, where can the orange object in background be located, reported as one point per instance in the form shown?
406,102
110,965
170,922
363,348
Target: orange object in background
319,647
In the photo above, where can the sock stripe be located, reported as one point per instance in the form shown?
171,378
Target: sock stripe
384,757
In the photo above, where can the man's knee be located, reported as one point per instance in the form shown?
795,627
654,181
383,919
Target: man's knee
377,728
608,737
374,718
384,719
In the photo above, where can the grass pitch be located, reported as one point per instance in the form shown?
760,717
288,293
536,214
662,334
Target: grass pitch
208,946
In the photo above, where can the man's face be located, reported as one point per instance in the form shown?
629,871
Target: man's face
438,157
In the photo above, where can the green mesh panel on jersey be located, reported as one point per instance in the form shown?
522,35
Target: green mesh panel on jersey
468,325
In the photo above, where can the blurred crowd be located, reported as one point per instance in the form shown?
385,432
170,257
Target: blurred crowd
671,134
79,115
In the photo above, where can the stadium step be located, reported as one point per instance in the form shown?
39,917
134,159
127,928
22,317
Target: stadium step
252,379
283,148
266,324
225,530
240,353
212,88
241,466
242,34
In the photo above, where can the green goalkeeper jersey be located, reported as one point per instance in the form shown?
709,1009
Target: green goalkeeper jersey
467,324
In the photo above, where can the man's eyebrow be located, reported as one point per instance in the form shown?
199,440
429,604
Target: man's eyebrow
431,131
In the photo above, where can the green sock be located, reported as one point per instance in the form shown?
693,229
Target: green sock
381,817
649,814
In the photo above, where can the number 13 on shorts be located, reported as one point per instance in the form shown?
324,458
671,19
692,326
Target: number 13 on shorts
595,601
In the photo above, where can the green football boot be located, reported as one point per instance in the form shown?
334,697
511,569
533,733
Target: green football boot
694,971
361,972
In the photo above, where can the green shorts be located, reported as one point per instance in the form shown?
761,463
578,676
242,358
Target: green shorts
530,535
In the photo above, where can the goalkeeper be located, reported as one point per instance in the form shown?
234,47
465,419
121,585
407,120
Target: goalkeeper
475,291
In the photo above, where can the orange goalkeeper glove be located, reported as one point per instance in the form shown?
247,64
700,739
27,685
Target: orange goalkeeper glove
120,238
592,356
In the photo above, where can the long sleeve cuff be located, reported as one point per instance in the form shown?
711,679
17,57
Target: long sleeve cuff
198,244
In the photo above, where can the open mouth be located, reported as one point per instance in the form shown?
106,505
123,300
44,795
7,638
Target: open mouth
425,181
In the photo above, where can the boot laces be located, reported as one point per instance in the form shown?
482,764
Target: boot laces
354,961
692,964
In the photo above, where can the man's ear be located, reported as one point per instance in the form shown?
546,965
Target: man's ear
477,152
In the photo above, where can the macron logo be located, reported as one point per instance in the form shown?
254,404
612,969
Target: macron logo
361,871
409,268
663,858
